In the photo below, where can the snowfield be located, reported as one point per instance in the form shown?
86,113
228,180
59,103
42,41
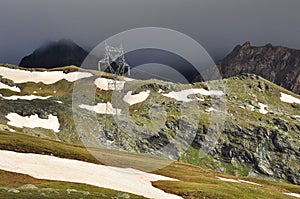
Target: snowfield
46,77
12,88
102,108
59,169
33,121
183,95
109,84
289,99
137,98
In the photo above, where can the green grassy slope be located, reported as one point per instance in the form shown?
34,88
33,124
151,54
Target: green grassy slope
195,182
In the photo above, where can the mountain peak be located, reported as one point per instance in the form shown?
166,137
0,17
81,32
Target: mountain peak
54,54
246,45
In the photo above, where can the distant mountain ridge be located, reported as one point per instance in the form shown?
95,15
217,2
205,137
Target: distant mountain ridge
55,54
278,64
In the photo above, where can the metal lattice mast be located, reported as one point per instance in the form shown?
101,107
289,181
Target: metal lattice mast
113,55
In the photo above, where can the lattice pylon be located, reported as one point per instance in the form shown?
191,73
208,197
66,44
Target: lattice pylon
116,55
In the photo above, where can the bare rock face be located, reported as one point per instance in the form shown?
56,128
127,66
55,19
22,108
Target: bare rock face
55,54
277,64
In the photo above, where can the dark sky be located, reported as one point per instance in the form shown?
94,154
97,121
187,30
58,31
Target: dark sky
218,25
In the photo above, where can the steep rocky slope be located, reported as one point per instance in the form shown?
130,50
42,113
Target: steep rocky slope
247,125
277,64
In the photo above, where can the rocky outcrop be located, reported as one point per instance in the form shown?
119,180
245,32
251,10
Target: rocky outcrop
270,152
277,64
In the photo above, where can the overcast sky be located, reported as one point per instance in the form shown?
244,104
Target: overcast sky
218,25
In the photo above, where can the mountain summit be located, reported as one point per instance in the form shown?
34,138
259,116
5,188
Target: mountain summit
278,64
55,54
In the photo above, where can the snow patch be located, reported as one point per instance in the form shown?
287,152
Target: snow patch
12,88
210,110
137,98
25,97
109,84
262,109
228,179
237,181
242,107
289,99
251,108
46,77
33,121
127,79
183,95
248,182
293,194
59,169
102,108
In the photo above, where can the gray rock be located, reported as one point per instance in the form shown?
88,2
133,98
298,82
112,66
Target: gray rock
265,168
13,191
28,186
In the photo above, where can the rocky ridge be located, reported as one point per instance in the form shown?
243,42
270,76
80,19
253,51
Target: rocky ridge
278,64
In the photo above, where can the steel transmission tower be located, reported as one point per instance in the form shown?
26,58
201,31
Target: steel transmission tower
114,63
114,55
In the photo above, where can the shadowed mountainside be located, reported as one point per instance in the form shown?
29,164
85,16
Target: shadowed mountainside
55,54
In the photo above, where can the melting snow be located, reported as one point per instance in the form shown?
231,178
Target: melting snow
12,88
46,77
59,169
183,95
289,99
228,180
293,194
210,110
237,181
109,84
25,97
137,98
251,108
262,109
28,97
102,108
33,121
127,79
248,182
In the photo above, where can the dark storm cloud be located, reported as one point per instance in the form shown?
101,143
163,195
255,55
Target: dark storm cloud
217,25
